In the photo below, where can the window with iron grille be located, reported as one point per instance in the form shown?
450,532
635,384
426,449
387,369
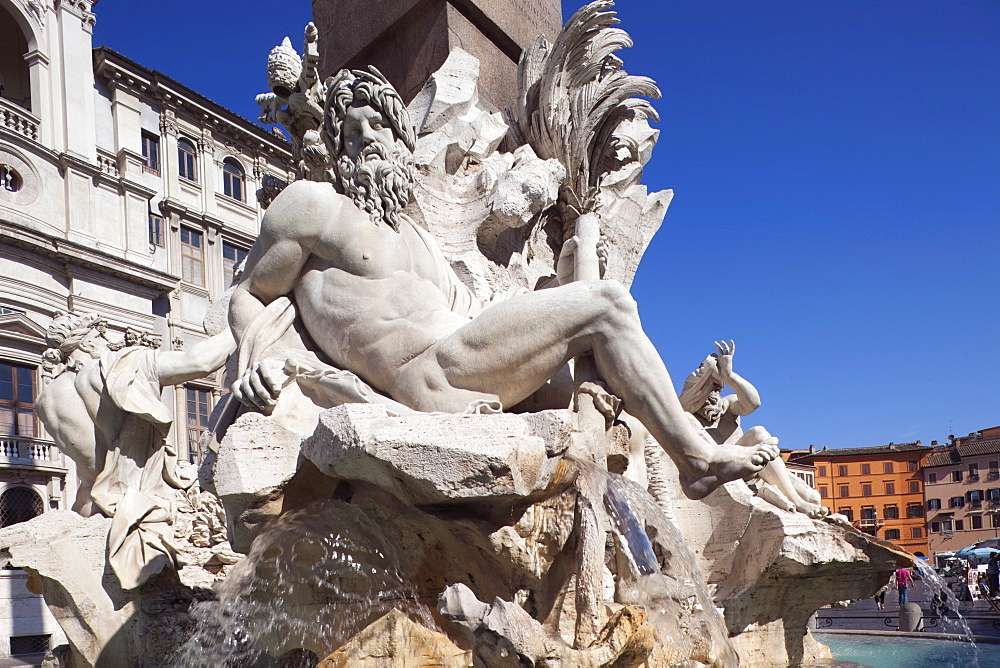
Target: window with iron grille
17,400
232,179
185,160
192,256
198,409
156,230
23,645
231,257
19,504
150,153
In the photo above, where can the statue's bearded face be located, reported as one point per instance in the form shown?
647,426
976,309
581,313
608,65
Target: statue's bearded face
711,410
374,168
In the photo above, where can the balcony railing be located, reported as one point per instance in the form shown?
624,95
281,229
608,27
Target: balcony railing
870,522
19,120
24,451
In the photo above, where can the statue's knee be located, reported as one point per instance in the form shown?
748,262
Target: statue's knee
617,299
757,433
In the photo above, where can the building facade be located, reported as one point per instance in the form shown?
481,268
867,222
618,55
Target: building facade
122,192
962,483
879,489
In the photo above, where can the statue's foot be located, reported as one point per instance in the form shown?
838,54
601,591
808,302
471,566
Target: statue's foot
813,510
724,463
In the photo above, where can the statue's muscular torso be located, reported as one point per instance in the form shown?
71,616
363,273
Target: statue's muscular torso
370,296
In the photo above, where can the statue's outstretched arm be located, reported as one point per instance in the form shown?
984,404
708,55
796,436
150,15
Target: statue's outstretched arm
175,367
747,400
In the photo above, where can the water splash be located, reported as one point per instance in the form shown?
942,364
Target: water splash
950,620
665,578
308,584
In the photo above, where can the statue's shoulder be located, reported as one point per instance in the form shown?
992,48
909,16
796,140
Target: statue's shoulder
303,209
304,193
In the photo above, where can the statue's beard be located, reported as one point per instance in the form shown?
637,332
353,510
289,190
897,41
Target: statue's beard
710,413
379,184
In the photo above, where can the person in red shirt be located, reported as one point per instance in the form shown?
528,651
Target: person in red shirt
903,580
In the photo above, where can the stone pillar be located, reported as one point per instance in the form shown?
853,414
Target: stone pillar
408,40
909,617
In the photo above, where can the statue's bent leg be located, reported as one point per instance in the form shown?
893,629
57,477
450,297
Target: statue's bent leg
513,347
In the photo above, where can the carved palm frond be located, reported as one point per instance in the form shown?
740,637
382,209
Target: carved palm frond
574,95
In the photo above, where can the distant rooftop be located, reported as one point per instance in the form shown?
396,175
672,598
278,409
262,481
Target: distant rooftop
953,454
871,450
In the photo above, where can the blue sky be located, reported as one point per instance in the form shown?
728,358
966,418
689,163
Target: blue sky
836,169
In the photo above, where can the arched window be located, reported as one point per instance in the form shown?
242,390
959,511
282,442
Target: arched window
232,179
19,504
185,160
15,80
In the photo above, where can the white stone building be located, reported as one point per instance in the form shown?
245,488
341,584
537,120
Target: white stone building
121,192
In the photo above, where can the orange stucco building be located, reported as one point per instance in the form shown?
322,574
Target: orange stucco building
880,489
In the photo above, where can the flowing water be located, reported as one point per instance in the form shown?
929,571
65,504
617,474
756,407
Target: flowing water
665,578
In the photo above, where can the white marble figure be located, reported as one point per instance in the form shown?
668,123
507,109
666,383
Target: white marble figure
720,417
376,296
103,409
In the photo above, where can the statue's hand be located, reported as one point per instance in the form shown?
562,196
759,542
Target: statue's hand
725,358
261,384
566,264
602,254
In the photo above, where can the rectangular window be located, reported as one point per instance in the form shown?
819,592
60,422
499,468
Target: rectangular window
914,510
17,400
975,498
931,478
956,502
891,513
916,532
821,471
947,526
977,521
890,488
887,467
959,525
156,230
822,491
866,490
198,409
868,513
232,256
150,153
848,513
935,527
911,466
993,495
956,476
25,645
186,160
914,487
866,469
845,491
994,521
842,470
973,469
892,534
933,504
192,256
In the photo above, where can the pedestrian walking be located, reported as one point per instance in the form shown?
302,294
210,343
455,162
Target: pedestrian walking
903,580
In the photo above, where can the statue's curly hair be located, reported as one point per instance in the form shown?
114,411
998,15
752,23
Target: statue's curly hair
370,88
67,332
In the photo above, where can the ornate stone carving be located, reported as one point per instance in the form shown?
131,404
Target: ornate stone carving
168,123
